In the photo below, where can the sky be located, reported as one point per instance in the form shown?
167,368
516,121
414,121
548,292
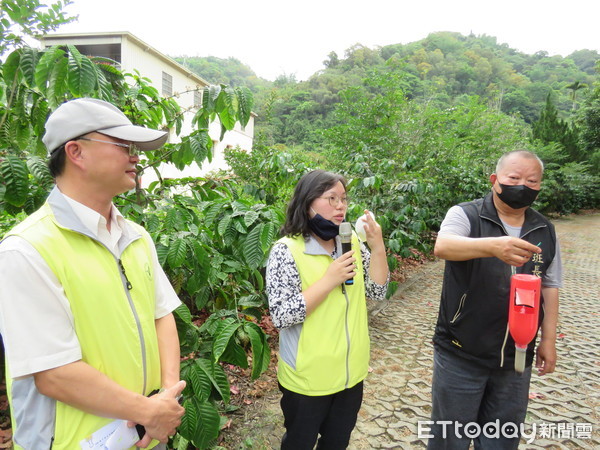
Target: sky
290,37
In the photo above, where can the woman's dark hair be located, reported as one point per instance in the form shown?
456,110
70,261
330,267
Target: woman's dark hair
310,186
56,163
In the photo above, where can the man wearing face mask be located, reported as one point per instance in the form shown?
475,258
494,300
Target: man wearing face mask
484,242
324,337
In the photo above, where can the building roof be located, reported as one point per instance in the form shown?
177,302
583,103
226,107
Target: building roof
56,39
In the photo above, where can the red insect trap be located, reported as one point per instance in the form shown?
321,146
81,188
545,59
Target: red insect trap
523,314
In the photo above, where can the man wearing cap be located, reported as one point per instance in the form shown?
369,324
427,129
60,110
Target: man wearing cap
85,308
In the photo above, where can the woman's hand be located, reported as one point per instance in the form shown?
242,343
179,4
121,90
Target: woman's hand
373,233
341,269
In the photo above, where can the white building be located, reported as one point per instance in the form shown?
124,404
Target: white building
170,79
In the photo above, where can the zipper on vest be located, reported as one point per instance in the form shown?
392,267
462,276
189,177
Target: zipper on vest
129,286
137,323
348,343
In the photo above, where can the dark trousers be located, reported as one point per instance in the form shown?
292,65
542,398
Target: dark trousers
487,399
331,416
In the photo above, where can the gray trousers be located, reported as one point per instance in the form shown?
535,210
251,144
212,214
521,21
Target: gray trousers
475,403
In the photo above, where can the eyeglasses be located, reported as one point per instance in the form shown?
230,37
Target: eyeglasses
132,149
334,200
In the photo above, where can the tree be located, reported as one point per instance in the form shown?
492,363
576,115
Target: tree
549,128
20,19
332,60
574,88
589,123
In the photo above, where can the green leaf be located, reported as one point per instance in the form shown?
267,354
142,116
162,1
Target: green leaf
202,296
212,213
152,223
174,221
217,377
162,251
39,169
190,419
177,253
15,174
222,383
250,217
82,77
253,253
231,234
199,150
261,353
207,427
22,134
224,335
223,224
235,354
250,300
240,227
245,103
256,313
201,256
226,109
104,86
200,381
29,59
239,209
227,118
46,65
214,91
58,82
260,283
10,68
267,236
183,312
182,443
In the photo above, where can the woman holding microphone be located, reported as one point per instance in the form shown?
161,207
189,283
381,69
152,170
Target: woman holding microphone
324,338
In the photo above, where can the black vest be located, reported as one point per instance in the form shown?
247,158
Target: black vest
473,315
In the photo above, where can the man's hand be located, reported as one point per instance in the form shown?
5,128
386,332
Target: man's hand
545,359
514,251
165,414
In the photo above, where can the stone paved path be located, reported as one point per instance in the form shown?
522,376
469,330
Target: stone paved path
563,405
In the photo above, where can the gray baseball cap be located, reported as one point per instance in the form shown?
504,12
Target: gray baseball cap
85,115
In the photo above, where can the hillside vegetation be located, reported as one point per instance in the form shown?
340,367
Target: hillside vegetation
441,69
420,126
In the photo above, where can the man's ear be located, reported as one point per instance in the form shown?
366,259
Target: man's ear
74,153
493,178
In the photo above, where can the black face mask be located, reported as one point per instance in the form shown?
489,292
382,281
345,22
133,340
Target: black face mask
323,228
518,196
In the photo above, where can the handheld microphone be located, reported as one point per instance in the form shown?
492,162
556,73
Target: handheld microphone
346,239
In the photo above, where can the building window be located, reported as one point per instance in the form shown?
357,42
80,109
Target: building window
167,85
197,98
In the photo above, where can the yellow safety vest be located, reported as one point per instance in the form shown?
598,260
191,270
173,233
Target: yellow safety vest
333,347
114,325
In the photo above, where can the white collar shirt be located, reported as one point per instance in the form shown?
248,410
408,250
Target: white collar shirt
97,225
36,322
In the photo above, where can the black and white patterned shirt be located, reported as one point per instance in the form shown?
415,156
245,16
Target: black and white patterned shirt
284,287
